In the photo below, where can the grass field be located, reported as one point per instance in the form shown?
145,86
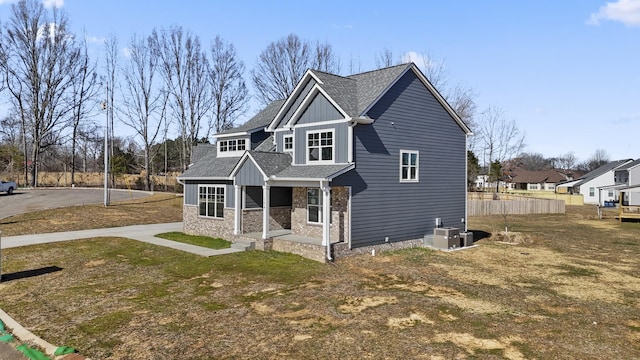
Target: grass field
559,287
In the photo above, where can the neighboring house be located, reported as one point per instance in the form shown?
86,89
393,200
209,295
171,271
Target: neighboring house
542,180
627,181
344,165
592,185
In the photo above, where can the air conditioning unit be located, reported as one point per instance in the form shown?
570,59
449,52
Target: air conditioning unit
446,238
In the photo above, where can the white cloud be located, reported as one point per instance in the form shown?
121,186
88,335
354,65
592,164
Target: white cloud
53,3
624,11
126,52
423,61
95,39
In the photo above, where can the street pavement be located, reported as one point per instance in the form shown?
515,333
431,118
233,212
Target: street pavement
28,200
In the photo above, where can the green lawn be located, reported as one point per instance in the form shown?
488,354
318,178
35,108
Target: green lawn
204,241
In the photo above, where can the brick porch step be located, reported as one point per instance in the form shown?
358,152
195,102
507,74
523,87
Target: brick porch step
243,244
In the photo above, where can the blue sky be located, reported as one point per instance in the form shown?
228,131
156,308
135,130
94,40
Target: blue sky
568,72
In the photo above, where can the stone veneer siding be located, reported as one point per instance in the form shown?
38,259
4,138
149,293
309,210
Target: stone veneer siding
193,224
279,218
339,215
342,249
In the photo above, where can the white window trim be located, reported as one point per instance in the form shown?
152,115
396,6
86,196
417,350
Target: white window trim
417,179
234,153
224,200
320,206
284,142
333,147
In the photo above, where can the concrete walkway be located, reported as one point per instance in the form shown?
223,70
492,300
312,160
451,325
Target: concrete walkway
144,233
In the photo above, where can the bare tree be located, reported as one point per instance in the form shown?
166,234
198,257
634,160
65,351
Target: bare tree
566,161
281,65
42,62
499,137
184,68
230,94
598,158
84,92
144,103
384,59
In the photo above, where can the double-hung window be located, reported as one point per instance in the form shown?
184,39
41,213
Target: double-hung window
408,166
315,203
211,201
320,146
288,143
592,192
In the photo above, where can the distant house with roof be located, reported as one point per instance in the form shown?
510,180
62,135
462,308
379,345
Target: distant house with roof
540,180
344,165
595,186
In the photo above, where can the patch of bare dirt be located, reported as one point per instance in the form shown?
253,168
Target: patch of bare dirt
354,305
472,344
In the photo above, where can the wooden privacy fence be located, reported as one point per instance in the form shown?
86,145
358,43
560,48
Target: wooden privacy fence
518,206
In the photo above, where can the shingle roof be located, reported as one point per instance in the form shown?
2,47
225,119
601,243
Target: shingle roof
260,120
629,165
271,162
522,176
312,171
371,84
266,145
601,170
341,89
210,166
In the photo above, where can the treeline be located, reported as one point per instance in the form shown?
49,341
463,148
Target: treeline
169,82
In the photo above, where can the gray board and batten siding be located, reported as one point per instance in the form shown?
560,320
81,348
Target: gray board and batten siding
340,141
407,117
320,109
249,174
295,104
191,191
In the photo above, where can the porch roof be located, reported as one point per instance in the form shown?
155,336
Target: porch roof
319,172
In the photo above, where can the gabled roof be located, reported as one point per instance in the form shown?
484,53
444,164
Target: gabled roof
522,176
373,84
629,165
601,170
271,163
356,94
258,121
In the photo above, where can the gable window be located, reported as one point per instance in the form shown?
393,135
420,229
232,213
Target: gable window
408,166
287,143
320,146
211,201
592,192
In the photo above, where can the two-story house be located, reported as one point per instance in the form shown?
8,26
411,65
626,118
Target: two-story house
596,187
344,165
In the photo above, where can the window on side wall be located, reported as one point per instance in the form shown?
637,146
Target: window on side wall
592,192
211,201
287,143
320,146
409,166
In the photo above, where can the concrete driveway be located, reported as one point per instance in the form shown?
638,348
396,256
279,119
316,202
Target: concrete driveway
23,200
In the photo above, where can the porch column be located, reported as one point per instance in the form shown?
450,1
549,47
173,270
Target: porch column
326,212
265,210
238,210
